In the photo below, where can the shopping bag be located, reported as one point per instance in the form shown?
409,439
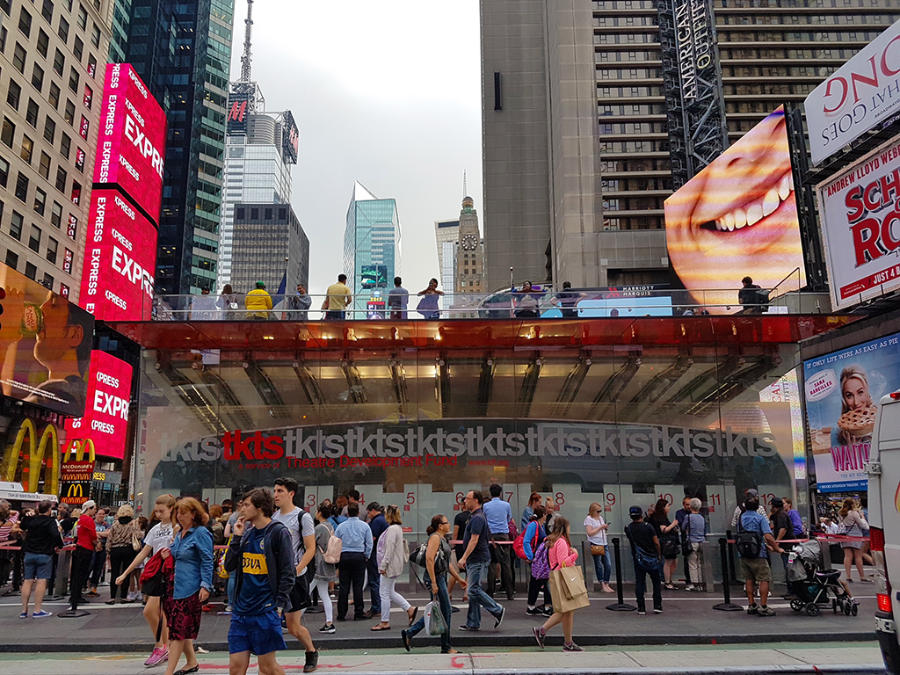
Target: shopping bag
436,624
572,579
559,589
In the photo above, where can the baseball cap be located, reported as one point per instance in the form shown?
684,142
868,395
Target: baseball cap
635,511
260,284
750,492
89,504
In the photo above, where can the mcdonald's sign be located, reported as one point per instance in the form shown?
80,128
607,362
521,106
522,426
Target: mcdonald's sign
30,450
75,493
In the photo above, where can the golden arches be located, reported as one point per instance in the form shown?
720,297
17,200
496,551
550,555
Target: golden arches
36,450
78,447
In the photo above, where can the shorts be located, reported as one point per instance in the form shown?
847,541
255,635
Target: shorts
756,569
38,566
299,595
259,634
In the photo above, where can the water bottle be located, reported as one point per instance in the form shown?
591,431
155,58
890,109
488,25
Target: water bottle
32,320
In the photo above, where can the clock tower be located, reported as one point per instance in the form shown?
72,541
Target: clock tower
469,251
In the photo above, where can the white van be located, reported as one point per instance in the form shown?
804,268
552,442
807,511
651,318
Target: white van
884,519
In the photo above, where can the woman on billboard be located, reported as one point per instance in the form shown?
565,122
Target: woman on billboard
857,420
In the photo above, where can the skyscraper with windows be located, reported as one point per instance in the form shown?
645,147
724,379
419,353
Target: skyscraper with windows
182,50
371,248
52,64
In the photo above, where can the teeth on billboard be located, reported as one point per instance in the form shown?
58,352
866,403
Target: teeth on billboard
728,221
785,186
770,202
754,214
740,219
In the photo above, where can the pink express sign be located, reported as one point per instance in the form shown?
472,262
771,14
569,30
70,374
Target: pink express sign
105,419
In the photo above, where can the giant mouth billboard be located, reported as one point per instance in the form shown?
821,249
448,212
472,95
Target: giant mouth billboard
738,217
45,345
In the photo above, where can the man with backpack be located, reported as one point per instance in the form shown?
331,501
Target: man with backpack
646,554
261,556
754,537
302,529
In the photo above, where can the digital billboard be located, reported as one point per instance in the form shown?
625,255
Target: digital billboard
105,421
842,393
738,217
859,210
238,104
119,260
290,137
132,139
373,276
45,345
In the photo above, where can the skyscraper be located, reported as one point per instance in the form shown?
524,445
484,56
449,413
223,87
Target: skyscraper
371,248
182,50
446,236
469,251
269,246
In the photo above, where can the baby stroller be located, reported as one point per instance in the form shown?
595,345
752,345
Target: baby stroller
813,586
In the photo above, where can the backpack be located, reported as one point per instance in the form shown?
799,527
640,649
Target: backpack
332,552
519,543
748,544
540,565
670,544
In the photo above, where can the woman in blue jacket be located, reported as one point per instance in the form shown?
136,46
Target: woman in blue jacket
535,533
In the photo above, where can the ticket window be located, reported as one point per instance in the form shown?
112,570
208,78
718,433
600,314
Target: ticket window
313,495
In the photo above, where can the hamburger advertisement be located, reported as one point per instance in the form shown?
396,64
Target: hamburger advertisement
842,393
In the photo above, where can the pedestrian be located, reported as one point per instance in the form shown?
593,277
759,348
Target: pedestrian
459,528
42,538
852,524
325,571
85,544
8,520
338,512
567,301
298,304
527,302
261,556
534,535
669,539
98,560
258,302
475,560
428,305
378,524
528,512
694,529
123,535
683,512
356,547
499,514
192,551
754,529
203,306
782,529
158,538
796,521
337,297
595,526
739,509
561,554
62,561
749,296
398,300
391,558
646,554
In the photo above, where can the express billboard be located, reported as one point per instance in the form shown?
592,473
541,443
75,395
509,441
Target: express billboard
859,95
131,142
841,393
105,421
45,345
738,216
119,259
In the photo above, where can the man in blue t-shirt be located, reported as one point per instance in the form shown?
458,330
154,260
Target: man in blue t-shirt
475,559
498,514
261,555
756,569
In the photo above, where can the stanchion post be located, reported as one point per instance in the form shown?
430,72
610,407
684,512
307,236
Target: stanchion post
727,605
731,569
619,606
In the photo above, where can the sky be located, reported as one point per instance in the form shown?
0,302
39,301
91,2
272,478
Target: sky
387,93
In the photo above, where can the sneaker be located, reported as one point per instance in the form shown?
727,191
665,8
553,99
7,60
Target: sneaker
547,611
157,656
642,612
572,647
657,610
404,638
328,628
42,614
312,661
753,609
23,615
500,618
539,635
534,611
765,611
690,587
468,628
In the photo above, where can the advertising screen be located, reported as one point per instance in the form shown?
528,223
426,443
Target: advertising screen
105,420
131,144
842,393
45,345
119,260
238,104
859,209
738,217
373,276
290,138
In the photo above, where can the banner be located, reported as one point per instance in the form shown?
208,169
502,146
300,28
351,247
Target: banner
842,391
859,209
74,493
105,421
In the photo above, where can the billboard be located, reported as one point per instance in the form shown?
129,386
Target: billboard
842,390
105,421
236,121
132,140
45,345
290,137
859,95
738,217
373,276
119,259
859,210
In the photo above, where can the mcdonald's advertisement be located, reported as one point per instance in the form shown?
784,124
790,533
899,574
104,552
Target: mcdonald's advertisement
45,345
75,482
105,421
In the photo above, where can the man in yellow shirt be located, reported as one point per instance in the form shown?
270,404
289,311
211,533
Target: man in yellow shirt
258,302
338,298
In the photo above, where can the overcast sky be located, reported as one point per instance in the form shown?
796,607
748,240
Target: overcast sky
387,93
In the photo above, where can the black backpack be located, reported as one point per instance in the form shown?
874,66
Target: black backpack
748,544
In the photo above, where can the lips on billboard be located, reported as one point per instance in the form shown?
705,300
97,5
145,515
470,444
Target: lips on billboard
132,137
738,217
105,419
119,259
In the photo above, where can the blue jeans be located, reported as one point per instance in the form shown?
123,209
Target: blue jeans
477,595
640,586
229,589
444,601
603,566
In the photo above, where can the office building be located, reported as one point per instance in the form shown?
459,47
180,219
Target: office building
446,236
371,248
52,63
269,246
182,50
470,251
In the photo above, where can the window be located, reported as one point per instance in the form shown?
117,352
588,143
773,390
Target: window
43,43
9,130
53,95
31,113
95,36
47,10
76,192
49,129
12,259
22,187
19,58
16,222
63,30
56,215
78,48
12,94
73,79
40,201
85,127
92,65
27,149
4,172
3,34
52,248
59,63
47,281
37,77
65,145
69,114
34,239
30,270
80,156
82,18
61,178
88,97
44,166
25,23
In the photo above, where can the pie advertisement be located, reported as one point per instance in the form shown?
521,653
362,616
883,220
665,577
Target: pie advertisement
842,393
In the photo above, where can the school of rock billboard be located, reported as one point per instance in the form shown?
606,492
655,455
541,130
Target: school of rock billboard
842,393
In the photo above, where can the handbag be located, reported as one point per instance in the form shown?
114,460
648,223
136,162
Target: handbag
645,561
598,549
434,619
559,587
136,542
